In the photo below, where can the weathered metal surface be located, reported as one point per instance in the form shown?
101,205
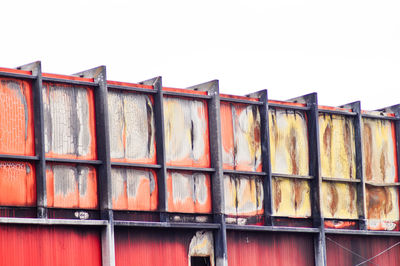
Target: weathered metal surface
241,142
134,189
159,246
17,184
48,246
69,121
16,119
71,186
132,130
244,198
186,132
380,166
379,155
189,192
256,249
354,250
202,245
291,197
337,146
339,200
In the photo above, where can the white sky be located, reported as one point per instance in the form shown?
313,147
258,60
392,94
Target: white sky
344,50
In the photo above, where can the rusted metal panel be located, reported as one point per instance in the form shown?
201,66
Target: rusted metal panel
48,246
380,167
69,121
289,155
16,119
291,198
71,186
189,192
134,189
186,132
337,146
256,249
241,142
244,199
339,200
345,250
17,184
132,130
171,247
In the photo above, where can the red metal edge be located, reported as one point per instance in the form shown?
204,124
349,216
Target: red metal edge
287,103
186,91
131,85
66,77
15,71
383,114
323,107
238,97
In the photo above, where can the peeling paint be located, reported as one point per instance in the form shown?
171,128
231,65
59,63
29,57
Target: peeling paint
288,142
17,184
244,197
337,146
339,200
69,122
71,186
240,130
186,132
291,197
132,130
134,189
189,192
16,119
202,245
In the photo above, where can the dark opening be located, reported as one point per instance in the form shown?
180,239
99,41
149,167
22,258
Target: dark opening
200,261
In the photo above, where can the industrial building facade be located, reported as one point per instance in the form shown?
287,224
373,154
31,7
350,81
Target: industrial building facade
99,172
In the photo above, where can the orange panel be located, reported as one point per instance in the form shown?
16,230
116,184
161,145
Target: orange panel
16,119
17,184
69,121
189,192
71,186
134,189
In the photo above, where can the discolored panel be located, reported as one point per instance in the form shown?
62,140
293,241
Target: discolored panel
240,130
337,146
382,208
291,197
17,184
244,199
69,121
71,186
132,131
186,132
339,200
379,157
189,192
288,142
134,189
16,119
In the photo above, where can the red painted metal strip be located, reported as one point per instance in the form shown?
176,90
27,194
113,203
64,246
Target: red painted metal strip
185,91
127,84
66,77
15,71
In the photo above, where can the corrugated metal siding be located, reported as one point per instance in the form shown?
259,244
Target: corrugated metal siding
134,189
189,192
132,130
352,250
49,246
69,121
71,186
280,249
16,119
186,132
240,130
17,184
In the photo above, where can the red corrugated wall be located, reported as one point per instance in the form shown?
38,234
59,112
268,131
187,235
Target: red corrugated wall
280,249
351,250
49,246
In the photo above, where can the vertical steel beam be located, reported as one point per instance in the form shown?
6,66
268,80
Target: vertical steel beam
99,74
217,178
361,196
36,68
265,154
160,145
